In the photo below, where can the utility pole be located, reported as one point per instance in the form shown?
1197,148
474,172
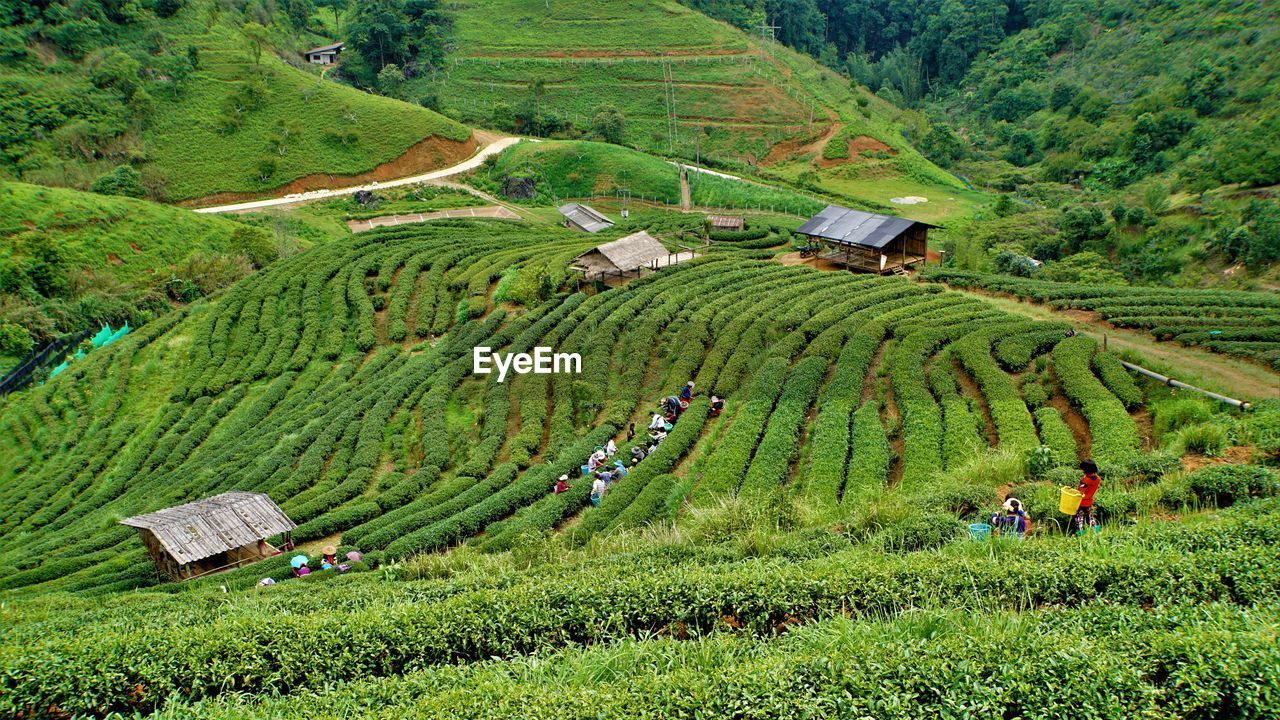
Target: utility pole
768,34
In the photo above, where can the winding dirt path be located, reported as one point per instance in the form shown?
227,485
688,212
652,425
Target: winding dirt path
492,145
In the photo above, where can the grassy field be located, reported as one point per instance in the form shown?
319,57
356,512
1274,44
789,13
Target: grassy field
563,170
72,260
288,118
130,241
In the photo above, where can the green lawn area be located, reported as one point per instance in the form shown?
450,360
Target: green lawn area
332,128
89,230
532,27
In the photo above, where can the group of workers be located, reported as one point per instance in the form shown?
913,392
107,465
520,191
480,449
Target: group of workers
608,469
601,463
328,561
1014,520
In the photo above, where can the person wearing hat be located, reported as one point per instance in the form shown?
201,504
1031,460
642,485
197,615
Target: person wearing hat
561,485
1085,516
1014,520
686,392
717,406
597,490
328,557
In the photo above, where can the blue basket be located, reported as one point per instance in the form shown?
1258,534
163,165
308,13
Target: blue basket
980,531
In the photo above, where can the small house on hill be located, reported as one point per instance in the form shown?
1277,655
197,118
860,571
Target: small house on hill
325,54
867,241
581,217
624,255
726,223
219,532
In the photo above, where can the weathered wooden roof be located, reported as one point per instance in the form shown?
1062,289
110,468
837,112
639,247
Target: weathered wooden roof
726,221
627,253
216,524
855,227
585,218
326,48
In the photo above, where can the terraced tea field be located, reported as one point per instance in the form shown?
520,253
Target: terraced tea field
338,381
1232,322
865,415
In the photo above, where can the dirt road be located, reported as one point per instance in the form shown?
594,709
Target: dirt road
492,211
495,146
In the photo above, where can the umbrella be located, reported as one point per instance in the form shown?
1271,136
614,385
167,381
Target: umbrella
298,561
354,556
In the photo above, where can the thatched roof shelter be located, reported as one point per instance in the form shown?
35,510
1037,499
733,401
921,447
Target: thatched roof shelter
211,534
624,255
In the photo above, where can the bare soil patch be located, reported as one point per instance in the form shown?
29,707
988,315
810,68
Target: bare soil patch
857,146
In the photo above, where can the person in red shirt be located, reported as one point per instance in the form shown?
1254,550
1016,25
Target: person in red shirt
1087,487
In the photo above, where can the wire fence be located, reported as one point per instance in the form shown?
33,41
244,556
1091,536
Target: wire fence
22,375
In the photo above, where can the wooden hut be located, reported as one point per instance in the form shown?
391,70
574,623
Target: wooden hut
581,217
866,241
624,255
726,223
217,533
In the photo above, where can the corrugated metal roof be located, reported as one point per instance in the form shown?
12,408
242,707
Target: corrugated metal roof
628,253
855,227
726,221
585,218
325,48
216,524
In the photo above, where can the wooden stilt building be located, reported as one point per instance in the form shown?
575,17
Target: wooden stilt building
867,241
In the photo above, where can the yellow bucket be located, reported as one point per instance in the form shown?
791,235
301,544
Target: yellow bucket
1069,502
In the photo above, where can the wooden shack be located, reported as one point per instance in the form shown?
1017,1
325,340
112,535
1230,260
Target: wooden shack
625,255
867,241
726,223
581,217
217,533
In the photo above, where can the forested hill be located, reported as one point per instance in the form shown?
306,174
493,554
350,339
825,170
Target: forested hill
197,96
1093,92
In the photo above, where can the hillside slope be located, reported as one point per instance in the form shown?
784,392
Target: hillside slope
71,260
687,85
195,106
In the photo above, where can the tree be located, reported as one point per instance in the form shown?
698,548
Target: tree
608,123
338,7
403,32
257,37
299,12
266,168
1081,224
390,80
124,180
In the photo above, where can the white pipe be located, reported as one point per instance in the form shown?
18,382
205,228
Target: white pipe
1178,384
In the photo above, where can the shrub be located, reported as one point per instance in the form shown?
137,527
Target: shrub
919,531
1205,438
124,180
1224,485
14,340
957,498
